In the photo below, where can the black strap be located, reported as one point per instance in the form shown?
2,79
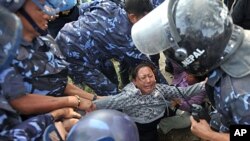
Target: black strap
210,93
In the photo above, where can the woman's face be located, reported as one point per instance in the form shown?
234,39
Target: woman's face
145,80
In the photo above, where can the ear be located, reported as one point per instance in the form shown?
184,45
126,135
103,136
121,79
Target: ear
133,18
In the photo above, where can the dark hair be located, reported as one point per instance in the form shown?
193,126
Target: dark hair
138,7
134,72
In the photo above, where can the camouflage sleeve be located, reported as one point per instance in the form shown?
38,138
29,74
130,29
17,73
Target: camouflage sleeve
31,129
10,81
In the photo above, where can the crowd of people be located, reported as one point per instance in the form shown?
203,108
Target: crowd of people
44,43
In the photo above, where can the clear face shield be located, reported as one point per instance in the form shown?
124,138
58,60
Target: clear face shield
154,33
52,7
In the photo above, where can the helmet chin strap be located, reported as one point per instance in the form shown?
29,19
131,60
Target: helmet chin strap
33,23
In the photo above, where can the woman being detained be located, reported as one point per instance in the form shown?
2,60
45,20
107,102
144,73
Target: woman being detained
146,101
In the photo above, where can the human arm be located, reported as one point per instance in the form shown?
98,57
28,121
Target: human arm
112,102
203,130
39,104
197,99
33,128
171,92
72,90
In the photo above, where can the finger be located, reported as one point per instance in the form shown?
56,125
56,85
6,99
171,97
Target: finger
203,121
77,115
193,121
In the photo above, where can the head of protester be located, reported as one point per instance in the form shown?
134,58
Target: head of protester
143,77
104,125
198,35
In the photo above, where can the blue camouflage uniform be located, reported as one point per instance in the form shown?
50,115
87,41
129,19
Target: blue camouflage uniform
11,126
42,66
44,71
231,97
102,32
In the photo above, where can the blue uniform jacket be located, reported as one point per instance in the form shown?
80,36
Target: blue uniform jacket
102,32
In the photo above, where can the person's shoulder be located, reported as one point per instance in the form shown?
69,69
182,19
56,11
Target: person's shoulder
130,89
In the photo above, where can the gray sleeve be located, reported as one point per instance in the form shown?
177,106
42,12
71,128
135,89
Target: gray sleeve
180,92
193,89
111,102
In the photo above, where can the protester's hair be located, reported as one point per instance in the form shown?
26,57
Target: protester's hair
138,7
134,72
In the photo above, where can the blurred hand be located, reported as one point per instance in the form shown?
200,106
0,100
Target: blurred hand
68,123
86,105
65,113
175,102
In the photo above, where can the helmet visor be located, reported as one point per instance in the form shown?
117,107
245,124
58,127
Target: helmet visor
152,34
52,7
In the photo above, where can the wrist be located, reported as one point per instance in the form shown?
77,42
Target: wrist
78,101
57,114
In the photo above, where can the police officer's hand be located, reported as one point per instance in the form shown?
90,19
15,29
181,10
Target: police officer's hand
200,128
176,101
65,113
86,105
68,123
203,130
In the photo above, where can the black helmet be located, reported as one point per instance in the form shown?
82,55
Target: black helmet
10,36
104,125
193,33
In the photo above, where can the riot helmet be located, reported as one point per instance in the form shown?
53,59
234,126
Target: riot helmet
193,33
10,37
52,7
104,125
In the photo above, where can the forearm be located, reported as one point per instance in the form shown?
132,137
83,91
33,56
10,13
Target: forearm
192,90
110,102
38,104
186,103
72,90
103,103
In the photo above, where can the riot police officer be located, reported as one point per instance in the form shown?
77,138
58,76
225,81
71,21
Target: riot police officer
200,36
